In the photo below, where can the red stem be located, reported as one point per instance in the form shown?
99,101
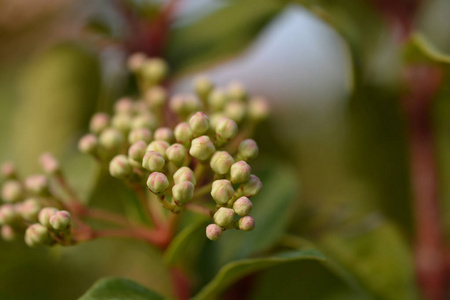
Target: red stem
181,284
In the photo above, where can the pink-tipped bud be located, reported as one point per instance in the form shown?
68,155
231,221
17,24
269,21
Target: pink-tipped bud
60,220
160,147
184,134
222,191
184,174
247,223
37,185
202,148
156,97
199,123
153,161
242,206
164,134
45,215
221,162
8,214
183,192
8,170
120,167
37,235
140,134
176,154
12,191
88,144
252,187
8,233
49,164
248,150
99,122
240,172
157,183
29,209
213,232
223,216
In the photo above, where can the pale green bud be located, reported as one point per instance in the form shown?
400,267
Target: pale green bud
154,70
140,134
29,209
214,120
236,111
240,172
247,223
156,97
242,206
145,120
153,161
37,184
137,150
183,134
252,187
88,144
124,106
122,122
160,147
120,167
213,232
37,235
222,191
202,148
183,192
157,183
176,154
99,122
49,164
221,162
226,129
199,123
60,220
237,91
164,134
203,86
258,109
184,174
223,216
111,140
135,62
248,150
12,191
8,170
8,233
8,214
217,100
45,215
184,105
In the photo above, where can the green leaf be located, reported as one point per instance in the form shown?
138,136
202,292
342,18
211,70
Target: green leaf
119,289
419,50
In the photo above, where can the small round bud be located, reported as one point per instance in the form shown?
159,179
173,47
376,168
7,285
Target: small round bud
88,144
135,61
199,123
145,120
122,122
214,120
226,129
157,183
99,122
235,111
242,206
176,154
8,170
184,105
124,106
164,134
8,233
153,161
120,167
237,91
137,151
252,187
29,209
183,134
37,235
203,86
111,140
223,216
12,191
60,220
140,134
8,214
222,191
154,70
240,172
248,150
184,174
49,164
37,184
160,147
183,192
221,162
258,109
45,215
213,232
247,223
202,148
217,100
156,97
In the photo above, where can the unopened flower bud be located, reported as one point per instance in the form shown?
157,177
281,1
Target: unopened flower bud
8,170
226,129
37,184
60,220
8,214
99,122
12,191
236,111
221,162
137,150
222,191
37,235
252,187
88,144
29,209
213,232
217,100
176,154
202,148
157,183
247,223
223,216
184,174
49,164
124,106
237,91
122,122
160,147
199,123
120,167
258,109
154,70
45,215
248,150
203,86
8,233
184,105
111,140
183,192
156,97
240,172
135,61
242,206
140,134
164,134
145,120
183,134
153,161
214,120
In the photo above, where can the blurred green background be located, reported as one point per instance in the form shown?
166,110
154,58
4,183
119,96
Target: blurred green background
334,153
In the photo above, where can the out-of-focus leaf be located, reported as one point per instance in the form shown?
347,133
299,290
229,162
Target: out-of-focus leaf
119,289
419,50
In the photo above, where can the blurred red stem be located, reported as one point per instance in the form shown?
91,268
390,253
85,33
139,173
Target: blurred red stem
181,284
